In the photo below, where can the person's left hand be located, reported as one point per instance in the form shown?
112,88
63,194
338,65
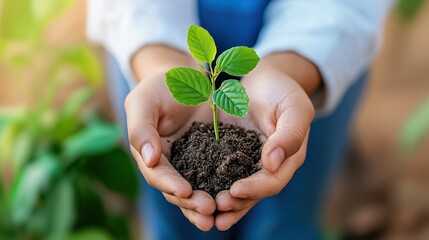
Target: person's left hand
281,110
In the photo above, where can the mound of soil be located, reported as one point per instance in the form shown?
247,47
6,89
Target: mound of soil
211,165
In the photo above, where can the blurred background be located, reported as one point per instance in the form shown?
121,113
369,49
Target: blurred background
382,191
65,175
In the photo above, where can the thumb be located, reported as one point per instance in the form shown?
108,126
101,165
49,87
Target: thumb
287,139
142,121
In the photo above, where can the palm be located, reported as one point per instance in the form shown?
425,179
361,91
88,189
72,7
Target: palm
175,118
281,112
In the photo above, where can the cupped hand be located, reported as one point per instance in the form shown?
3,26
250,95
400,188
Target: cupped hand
154,120
281,111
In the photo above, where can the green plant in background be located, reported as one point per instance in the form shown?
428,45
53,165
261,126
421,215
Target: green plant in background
56,160
409,8
191,87
415,128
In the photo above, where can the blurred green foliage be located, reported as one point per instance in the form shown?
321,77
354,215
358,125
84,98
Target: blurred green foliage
26,20
57,161
415,128
409,8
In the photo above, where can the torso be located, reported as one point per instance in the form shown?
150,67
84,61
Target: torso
232,22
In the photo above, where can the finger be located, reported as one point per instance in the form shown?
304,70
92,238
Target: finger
200,202
291,128
225,220
164,177
203,222
264,184
142,119
226,202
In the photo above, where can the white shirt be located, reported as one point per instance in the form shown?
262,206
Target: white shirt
340,36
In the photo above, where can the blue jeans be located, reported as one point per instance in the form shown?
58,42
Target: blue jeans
292,214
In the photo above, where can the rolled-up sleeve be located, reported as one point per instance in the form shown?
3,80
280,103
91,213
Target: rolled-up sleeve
340,36
124,26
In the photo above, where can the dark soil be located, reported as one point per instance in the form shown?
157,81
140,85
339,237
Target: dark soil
214,166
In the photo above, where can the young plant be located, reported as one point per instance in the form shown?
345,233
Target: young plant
191,87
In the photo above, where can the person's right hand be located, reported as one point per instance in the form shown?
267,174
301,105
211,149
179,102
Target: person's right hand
154,121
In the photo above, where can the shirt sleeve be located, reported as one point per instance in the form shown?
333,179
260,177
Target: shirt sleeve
124,26
340,36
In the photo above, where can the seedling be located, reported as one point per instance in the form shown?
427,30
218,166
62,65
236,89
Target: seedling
191,87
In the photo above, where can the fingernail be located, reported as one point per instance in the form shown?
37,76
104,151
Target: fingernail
147,152
276,158
228,228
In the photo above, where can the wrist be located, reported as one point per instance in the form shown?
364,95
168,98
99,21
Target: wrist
302,70
158,59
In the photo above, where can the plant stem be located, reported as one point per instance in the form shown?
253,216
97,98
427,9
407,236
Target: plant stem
213,76
216,129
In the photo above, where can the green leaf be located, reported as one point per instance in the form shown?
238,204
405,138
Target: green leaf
3,205
68,121
76,101
26,20
20,61
6,229
90,234
37,223
188,86
60,208
92,140
17,22
44,11
203,68
201,44
5,123
237,61
22,148
409,8
415,128
116,171
16,139
232,98
84,60
30,184
8,131
1,191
